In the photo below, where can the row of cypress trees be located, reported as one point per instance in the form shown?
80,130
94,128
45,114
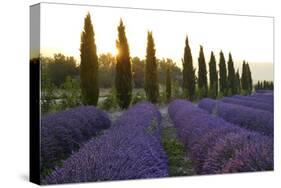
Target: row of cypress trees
228,82
123,76
224,82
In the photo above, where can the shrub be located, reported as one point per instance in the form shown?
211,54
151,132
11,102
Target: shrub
63,133
138,97
256,98
251,104
208,138
131,149
249,118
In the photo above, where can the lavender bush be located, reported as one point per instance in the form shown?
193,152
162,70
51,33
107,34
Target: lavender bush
64,132
248,103
256,98
130,149
249,118
217,146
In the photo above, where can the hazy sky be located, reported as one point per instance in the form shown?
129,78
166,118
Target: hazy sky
249,38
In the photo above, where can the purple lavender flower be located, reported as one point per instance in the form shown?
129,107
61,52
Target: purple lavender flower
256,98
64,132
248,103
249,118
214,143
130,149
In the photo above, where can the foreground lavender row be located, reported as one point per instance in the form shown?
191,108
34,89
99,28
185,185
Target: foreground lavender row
249,118
62,133
131,149
217,146
248,103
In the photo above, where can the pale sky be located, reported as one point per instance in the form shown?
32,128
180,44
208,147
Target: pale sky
248,38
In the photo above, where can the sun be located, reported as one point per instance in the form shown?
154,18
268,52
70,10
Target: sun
116,52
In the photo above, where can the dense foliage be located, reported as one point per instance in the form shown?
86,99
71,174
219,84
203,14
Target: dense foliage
123,76
252,119
218,146
151,79
57,68
231,79
131,149
202,74
168,84
64,132
222,75
188,72
89,64
246,78
213,77
264,85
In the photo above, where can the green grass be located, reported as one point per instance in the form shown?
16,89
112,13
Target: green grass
178,161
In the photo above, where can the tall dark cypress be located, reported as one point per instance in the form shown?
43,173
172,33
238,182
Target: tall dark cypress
250,80
244,83
151,80
188,72
237,82
123,77
89,64
231,76
213,76
223,75
168,83
202,74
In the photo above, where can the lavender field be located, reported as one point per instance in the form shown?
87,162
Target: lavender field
136,96
147,141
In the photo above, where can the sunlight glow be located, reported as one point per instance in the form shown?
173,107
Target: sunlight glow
247,38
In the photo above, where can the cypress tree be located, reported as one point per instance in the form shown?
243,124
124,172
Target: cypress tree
213,76
249,77
188,72
151,80
246,78
168,83
237,82
243,77
223,75
123,77
202,74
89,64
231,76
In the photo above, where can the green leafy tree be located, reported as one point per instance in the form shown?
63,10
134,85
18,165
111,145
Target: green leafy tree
202,74
138,72
71,93
168,84
107,64
89,64
231,76
123,77
213,75
188,72
151,80
223,75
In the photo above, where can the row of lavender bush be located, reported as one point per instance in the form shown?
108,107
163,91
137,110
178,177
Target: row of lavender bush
64,132
249,103
256,98
249,118
217,146
130,149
